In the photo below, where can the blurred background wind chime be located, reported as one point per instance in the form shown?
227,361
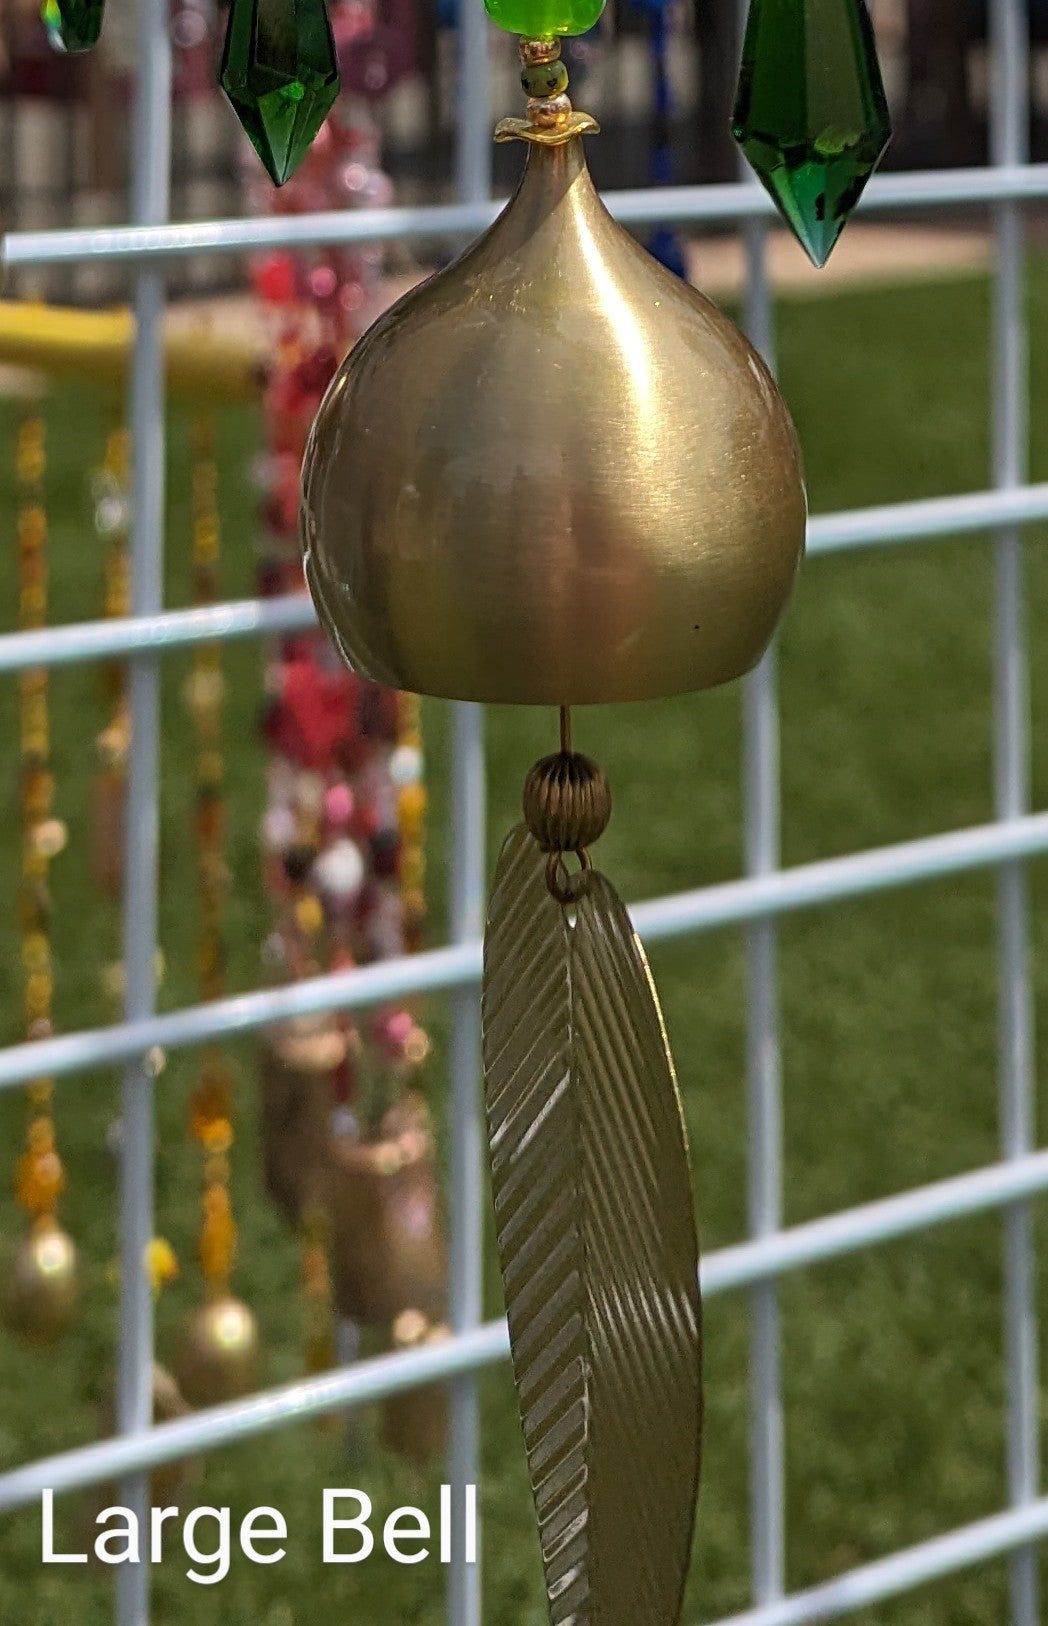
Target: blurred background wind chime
347,1137
40,1293
110,497
218,1356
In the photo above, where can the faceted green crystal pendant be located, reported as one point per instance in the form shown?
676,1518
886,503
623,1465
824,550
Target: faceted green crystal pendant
811,114
280,72
544,19
72,26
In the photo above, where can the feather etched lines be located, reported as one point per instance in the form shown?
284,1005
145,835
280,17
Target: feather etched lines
596,1237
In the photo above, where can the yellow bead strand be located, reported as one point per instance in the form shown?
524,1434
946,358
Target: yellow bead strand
39,1174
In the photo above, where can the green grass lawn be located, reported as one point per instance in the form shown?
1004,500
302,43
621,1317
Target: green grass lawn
893,1370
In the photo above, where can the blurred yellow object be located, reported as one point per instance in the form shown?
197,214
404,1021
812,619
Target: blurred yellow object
98,344
161,1263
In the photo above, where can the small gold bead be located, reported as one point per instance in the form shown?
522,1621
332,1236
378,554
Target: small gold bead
538,51
548,115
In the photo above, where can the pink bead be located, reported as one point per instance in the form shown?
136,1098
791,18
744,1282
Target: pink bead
355,179
400,1027
323,282
378,193
338,807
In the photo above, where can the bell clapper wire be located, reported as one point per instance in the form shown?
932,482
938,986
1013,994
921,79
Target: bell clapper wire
567,805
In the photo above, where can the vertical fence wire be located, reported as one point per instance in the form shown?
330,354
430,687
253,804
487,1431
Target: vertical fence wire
467,1196
762,856
764,1115
473,137
466,919
151,155
1009,116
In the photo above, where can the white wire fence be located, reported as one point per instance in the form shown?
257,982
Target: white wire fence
757,900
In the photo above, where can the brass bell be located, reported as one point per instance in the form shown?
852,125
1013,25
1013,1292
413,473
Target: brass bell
218,1356
415,1421
299,1061
387,1242
43,1285
554,473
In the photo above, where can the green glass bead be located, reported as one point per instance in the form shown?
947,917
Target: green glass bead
811,114
73,26
280,73
544,79
544,19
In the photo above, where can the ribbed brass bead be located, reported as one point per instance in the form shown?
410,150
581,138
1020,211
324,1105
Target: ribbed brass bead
538,50
567,802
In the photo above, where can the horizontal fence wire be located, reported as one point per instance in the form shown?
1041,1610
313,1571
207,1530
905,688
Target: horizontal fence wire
728,903
725,1270
672,205
458,966
929,519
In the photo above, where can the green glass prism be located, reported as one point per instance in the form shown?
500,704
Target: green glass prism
544,19
811,115
73,26
280,72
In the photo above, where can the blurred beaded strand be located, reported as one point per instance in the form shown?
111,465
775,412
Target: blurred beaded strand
305,935
40,1174
217,1355
211,1108
41,1292
109,493
407,767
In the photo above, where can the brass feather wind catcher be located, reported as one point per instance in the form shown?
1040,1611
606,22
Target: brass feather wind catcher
555,474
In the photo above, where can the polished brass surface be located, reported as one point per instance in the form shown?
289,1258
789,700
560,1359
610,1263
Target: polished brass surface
42,1287
554,473
596,1239
218,1357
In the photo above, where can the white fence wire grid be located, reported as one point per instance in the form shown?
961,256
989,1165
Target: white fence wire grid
757,900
